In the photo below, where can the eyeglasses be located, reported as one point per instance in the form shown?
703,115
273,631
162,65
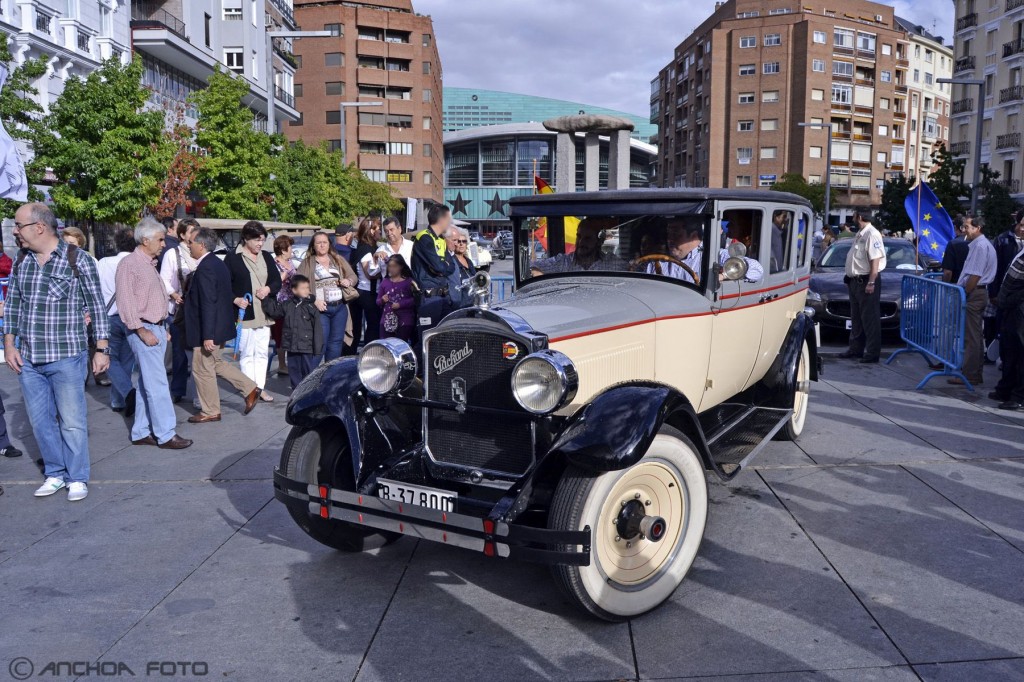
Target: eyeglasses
460,241
22,226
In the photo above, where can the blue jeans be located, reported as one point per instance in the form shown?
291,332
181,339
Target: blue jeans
154,412
333,321
179,361
56,391
122,362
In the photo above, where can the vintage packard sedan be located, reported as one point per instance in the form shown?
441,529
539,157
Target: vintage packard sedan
575,424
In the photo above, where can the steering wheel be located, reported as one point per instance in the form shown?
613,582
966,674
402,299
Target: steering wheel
660,257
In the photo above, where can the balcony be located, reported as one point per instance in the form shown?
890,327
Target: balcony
150,15
966,63
902,89
286,12
1012,186
964,106
1011,94
960,148
283,96
899,114
967,21
841,134
1008,141
1013,47
862,137
1011,5
902,61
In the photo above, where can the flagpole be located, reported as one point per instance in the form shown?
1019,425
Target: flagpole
917,250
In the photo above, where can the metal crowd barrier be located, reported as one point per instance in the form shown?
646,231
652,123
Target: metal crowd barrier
932,317
501,288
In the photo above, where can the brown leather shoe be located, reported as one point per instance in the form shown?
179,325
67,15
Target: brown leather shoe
202,418
251,400
148,440
175,443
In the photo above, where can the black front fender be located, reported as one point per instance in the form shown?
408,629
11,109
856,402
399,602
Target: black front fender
615,429
778,386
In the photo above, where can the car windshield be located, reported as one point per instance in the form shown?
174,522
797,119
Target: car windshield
898,255
665,246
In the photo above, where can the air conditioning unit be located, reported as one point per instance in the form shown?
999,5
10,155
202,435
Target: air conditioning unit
888,165
878,18
268,21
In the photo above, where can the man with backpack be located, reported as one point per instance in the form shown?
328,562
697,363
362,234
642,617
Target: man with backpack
47,345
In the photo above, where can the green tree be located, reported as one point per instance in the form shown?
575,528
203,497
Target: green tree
314,186
108,155
236,172
22,116
996,206
796,184
893,213
946,179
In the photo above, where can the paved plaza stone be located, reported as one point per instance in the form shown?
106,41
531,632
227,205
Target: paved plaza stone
887,544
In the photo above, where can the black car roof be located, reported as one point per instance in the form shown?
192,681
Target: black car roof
656,196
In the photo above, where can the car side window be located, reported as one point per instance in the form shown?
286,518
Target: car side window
743,225
781,240
803,239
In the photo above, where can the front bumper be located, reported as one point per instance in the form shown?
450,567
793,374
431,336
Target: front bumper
492,537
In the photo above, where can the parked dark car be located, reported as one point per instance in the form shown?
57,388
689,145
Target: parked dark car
830,298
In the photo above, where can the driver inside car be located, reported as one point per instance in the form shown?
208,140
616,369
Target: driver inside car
686,245
587,255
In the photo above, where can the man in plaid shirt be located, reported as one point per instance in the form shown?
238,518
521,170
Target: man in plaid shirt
47,301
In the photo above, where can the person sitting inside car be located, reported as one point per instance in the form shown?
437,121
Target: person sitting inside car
588,255
686,244
736,232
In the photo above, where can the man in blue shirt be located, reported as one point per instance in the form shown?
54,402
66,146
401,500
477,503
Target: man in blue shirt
343,235
979,271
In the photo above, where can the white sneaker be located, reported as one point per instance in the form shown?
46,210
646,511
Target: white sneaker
77,491
49,487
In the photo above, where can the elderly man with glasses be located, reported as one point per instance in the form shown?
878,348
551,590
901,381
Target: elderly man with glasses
52,283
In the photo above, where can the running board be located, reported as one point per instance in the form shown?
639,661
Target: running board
738,441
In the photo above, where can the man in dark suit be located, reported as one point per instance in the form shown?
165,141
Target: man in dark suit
209,324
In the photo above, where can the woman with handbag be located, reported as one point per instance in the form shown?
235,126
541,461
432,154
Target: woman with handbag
283,261
333,284
254,274
364,309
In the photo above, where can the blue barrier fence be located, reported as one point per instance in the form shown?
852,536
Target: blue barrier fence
932,317
501,288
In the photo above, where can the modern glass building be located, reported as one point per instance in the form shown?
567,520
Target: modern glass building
471,108
485,166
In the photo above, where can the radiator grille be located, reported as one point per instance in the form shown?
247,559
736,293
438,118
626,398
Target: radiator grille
842,308
491,443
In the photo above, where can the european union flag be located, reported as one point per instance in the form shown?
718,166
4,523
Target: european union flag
933,226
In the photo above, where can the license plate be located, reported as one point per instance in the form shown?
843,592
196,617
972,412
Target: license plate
849,325
431,498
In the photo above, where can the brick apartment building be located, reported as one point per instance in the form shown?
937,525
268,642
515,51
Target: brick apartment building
382,52
729,104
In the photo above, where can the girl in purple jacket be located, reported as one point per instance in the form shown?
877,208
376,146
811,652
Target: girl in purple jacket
397,301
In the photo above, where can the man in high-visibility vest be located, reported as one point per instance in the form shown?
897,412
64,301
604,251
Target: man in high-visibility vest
431,266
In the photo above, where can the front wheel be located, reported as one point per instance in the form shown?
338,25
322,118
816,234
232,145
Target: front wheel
801,397
322,457
630,572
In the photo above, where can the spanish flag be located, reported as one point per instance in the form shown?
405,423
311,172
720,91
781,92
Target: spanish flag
571,224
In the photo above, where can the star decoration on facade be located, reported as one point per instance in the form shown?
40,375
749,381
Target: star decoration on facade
460,204
497,205
927,217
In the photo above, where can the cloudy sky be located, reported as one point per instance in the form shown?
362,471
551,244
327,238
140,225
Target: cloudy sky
599,52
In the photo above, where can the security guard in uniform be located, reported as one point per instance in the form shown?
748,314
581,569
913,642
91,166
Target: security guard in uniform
864,264
431,267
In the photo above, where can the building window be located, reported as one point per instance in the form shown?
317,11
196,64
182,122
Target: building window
748,15
842,37
297,90
820,37
232,14
748,69
814,179
366,119
778,10
770,67
370,33
106,22
426,123
428,151
398,121
886,49
335,29
427,95
842,94
842,68
746,98
814,152
768,152
917,75
769,124
334,59
818,65
397,65
772,39
399,176
376,175
745,126
206,29
234,59
743,181
928,78
748,41
770,96
334,145
335,88
744,155
42,22
400,148
817,95
866,42
372,148
426,40
297,123
886,76
255,66
426,68
428,177
371,63
334,117
929,56
883,131
881,157
883,103
371,91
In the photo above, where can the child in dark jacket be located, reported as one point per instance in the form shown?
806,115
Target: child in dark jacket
302,336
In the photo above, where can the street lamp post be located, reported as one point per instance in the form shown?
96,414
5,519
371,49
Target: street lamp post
980,114
271,123
828,164
344,106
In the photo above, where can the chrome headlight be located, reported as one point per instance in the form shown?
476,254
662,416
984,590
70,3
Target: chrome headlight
386,366
544,381
735,268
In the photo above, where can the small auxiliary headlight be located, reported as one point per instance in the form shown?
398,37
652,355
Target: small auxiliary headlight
386,366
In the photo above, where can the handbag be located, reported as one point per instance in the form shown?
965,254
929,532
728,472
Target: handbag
349,294
179,312
390,321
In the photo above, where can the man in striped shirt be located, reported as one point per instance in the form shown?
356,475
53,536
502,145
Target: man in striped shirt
52,287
